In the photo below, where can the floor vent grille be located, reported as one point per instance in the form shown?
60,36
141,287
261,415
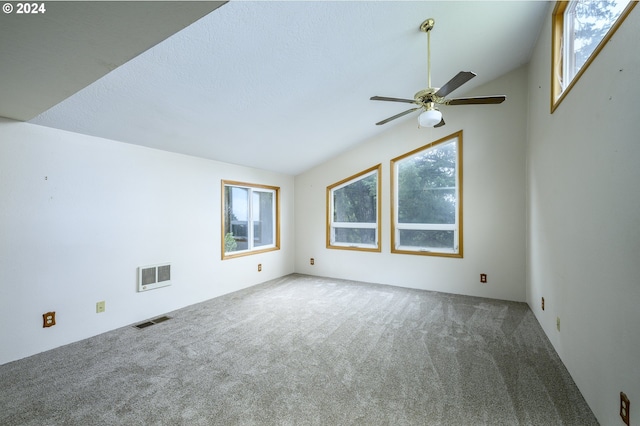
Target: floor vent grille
160,319
152,322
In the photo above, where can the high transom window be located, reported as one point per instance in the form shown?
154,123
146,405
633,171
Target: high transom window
581,28
427,199
250,219
353,208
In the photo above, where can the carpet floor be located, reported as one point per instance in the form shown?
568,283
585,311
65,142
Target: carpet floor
303,350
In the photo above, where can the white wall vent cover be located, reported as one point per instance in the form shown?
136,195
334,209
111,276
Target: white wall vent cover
154,276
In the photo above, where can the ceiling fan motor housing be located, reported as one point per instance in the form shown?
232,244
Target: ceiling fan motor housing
426,96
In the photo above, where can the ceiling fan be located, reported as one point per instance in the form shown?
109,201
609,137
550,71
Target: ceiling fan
428,98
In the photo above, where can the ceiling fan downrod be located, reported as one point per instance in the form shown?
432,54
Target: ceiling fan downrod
426,27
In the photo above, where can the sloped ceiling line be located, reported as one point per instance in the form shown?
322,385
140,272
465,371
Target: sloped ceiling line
277,85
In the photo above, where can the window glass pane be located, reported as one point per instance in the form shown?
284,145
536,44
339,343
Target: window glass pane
427,186
356,202
427,239
427,199
263,218
236,218
250,222
588,22
352,212
355,235
580,28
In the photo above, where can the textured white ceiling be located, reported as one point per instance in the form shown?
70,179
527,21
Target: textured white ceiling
48,56
286,85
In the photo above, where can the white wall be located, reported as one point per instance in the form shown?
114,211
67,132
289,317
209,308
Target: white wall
494,202
583,252
79,214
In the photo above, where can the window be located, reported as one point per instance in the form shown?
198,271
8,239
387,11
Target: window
426,187
353,207
580,29
250,219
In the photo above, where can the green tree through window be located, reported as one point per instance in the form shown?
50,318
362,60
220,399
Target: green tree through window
427,199
587,23
352,212
580,29
250,217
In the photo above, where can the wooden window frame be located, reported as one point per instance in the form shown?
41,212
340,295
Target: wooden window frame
557,59
249,252
378,227
459,204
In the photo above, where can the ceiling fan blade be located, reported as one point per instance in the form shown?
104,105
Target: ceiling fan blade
397,116
479,100
461,78
440,124
383,98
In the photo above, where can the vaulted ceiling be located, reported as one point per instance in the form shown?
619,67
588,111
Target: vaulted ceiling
277,85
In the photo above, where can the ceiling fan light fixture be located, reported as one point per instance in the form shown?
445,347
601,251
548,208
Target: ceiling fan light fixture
429,118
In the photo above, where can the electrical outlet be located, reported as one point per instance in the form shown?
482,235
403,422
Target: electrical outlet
558,323
312,261
543,303
259,267
49,319
483,278
624,408
100,307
